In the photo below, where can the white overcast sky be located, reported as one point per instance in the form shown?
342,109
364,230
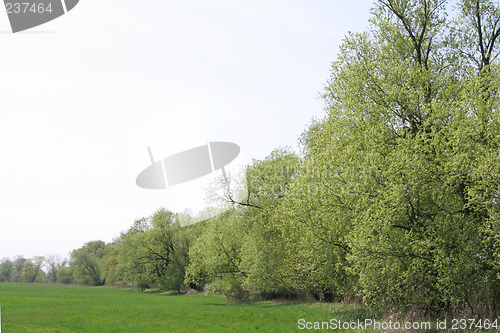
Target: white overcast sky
84,95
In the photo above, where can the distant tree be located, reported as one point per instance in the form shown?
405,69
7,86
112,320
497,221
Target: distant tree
215,259
87,263
131,268
32,270
52,264
18,268
153,252
6,270
110,262
183,238
65,275
165,250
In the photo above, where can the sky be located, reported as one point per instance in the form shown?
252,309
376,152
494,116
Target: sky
83,96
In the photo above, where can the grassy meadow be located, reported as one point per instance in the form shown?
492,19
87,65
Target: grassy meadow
47,308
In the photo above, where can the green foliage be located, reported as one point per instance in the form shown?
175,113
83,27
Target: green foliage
32,270
314,218
263,249
87,263
18,267
154,251
407,159
240,252
396,195
6,270
52,264
109,262
215,258
65,275
130,267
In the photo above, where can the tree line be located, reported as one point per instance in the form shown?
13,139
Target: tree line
394,197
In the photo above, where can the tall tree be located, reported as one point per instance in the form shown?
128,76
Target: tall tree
87,263
402,155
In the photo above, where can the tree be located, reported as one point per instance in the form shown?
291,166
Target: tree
110,261
264,247
240,252
32,270
215,258
153,252
130,268
315,219
407,159
158,245
87,261
18,267
65,274
52,264
6,270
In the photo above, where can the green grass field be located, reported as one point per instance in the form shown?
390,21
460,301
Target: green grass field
45,308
